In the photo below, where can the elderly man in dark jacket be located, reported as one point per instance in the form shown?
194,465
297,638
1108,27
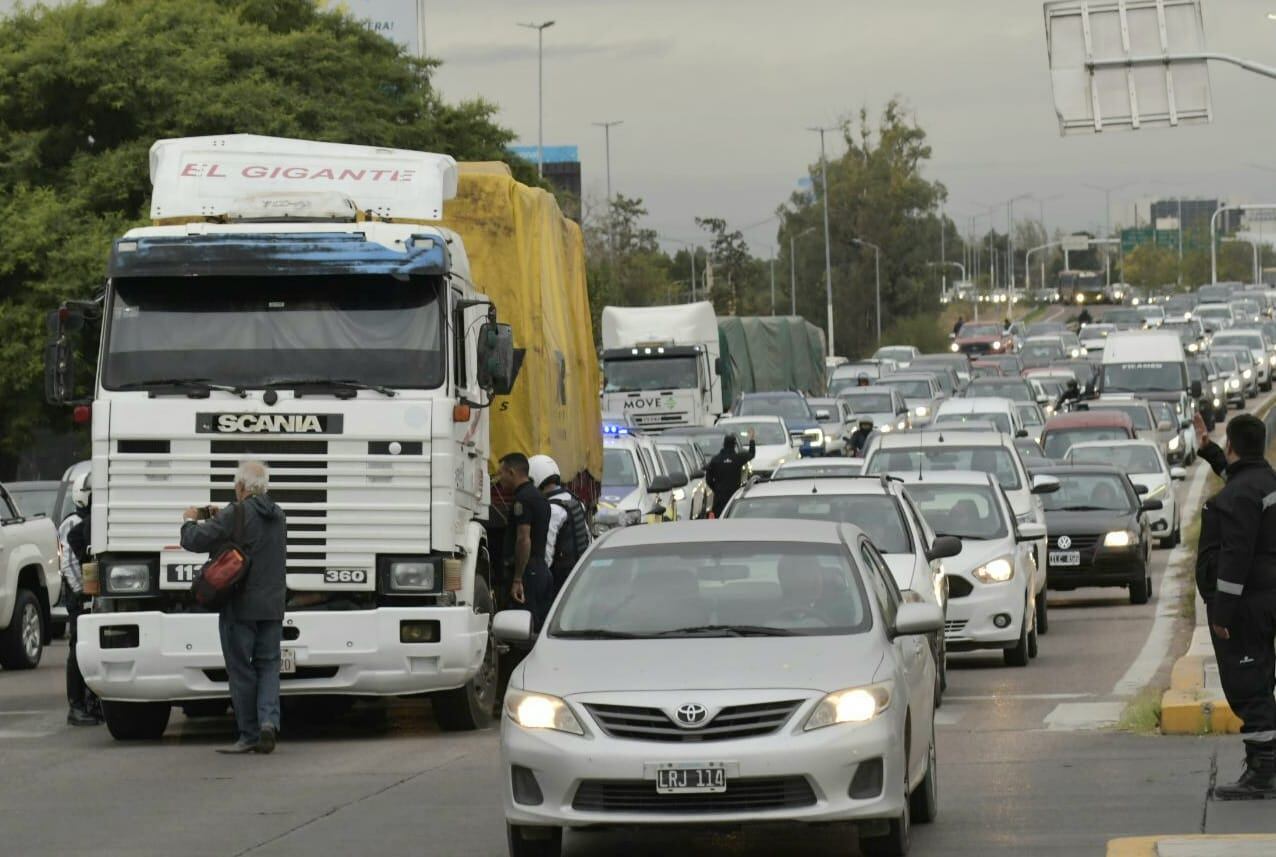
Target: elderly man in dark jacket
251,623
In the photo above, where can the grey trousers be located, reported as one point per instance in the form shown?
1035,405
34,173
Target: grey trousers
251,650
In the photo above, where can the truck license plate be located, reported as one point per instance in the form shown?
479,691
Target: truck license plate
691,780
287,661
1065,557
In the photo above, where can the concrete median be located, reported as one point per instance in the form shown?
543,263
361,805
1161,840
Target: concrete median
1193,846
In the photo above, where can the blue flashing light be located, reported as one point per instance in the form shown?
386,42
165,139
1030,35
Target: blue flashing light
612,430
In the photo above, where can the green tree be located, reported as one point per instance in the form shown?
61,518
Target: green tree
85,89
1149,266
734,276
626,265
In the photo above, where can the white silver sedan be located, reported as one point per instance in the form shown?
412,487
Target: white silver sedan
715,673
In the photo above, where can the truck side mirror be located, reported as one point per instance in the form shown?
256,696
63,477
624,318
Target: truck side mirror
717,365
497,363
59,359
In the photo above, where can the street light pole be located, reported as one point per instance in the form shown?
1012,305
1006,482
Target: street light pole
828,251
611,234
540,92
877,267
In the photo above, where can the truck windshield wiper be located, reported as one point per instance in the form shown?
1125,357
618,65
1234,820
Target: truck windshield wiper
341,388
731,630
597,634
196,388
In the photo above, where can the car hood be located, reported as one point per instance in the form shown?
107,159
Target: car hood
975,553
567,667
769,456
621,496
1087,523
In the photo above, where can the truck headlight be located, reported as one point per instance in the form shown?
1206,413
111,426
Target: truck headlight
1119,539
411,574
541,711
997,571
128,578
853,705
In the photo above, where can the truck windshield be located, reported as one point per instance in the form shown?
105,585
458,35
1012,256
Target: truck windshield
1144,378
651,373
252,331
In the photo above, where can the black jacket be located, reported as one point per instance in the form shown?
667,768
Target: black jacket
1237,549
265,538
725,470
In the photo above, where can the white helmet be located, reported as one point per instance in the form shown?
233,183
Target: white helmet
81,487
541,468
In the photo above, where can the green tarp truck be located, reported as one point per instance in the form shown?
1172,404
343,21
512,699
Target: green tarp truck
762,354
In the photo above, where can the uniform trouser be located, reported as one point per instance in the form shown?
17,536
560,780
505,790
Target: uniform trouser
76,691
1247,665
251,650
538,592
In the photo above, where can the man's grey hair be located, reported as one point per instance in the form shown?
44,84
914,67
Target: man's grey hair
253,477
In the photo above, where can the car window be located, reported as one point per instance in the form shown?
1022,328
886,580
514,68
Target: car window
671,590
673,464
965,511
1130,459
619,467
1001,421
784,407
875,514
984,459
886,594
1057,443
649,468
36,501
1084,492
764,433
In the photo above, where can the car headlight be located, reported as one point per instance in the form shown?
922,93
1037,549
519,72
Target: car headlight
1217,403
1271,361
679,495
1119,539
954,348
1187,316
996,346
922,411
1076,352
1174,444
1193,347
886,428
997,571
1234,383
901,425
128,578
541,711
1247,374
854,705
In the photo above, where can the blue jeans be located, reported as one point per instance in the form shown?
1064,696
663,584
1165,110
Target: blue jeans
251,650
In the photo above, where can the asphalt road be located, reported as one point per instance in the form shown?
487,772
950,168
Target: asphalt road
1029,764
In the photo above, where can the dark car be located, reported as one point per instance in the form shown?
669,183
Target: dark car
1211,398
977,338
793,408
1037,352
1099,532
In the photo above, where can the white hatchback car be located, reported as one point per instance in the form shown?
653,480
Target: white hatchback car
1000,412
704,674
1152,477
992,603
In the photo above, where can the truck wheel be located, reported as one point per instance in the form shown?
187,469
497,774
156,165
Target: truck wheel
471,707
22,645
136,721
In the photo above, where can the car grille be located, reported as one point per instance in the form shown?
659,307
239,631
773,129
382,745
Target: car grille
954,627
756,794
959,587
652,724
1079,543
976,348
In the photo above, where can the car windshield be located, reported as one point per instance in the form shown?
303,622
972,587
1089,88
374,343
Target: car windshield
965,511
869,403
1001,421
619,468
1143,377
714,589
36,501
1030,415
1226,362
1089,492
1043,328
672,462
1217,312
894,353
1057,443
1129,459
1096,331
784,407
910,389
986,459
1136,411
1164,412
1252,341
1041,350
650,373
1029,448
1016,391
765,433
811,471
1123,316
980,330
876,514
1197,372
252,331
708,441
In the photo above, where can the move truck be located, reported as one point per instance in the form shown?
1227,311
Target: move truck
299,303
661,366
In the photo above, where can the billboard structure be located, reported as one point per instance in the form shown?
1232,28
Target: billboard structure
562,170
400,21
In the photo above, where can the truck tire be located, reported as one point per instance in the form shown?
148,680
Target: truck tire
136,721
471,707
22,644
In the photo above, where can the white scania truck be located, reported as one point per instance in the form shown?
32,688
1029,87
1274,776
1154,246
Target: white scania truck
291,304
661,366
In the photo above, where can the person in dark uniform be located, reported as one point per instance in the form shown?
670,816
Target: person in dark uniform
859,439
1084,318
1236,576
724,471
957,325
532,585
1071,393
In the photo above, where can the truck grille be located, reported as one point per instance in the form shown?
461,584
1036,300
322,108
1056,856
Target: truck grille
755,794
663,420
652,724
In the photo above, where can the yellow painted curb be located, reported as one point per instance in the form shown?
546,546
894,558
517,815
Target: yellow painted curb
1188,673
1145,846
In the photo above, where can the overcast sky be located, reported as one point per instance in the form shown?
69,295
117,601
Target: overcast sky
715,96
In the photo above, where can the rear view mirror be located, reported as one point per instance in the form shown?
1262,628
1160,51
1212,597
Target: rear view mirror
944,547
1021,433
915,618
823,416
1030,532
1164,425
512,626
59,371
497,365
678,480
660,484
1044,485
1140,490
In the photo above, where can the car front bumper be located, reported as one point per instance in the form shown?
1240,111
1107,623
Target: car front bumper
1100,567
970,622
357,652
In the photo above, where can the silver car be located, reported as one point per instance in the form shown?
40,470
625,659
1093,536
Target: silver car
723,673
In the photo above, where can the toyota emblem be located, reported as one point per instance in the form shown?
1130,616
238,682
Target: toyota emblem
1065,542
692,714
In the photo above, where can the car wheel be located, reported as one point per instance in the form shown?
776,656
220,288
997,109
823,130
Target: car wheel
528,841
1140,591
1032,643
472,706
1043,614
136,721
22,644
1017,656
898,837
924,801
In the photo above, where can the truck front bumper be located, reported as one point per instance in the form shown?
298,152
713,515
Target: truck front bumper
178,656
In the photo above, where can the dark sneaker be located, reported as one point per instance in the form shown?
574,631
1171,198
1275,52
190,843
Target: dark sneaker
266,743
80,717
239,748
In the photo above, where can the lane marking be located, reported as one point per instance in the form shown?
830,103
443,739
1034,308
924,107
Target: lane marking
28,713
1083,716
947,717
9,734
999,697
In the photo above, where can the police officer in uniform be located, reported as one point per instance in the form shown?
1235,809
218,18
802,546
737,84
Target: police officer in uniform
532,585
859,438
724,471
1236,575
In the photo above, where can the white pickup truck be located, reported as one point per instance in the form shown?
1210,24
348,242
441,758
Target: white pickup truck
29,583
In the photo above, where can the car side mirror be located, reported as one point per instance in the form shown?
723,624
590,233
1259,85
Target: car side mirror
678,480
698,474
943,547
1178,474
1164,425
915,618
660,484
512,626
1030,532
1044,485
1141,489
1196,389
1021,433
658,510
717,365
1151,506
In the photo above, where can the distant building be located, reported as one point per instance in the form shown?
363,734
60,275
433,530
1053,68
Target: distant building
562,170
1196,215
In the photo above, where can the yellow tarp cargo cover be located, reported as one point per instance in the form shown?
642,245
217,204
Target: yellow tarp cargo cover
530,260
